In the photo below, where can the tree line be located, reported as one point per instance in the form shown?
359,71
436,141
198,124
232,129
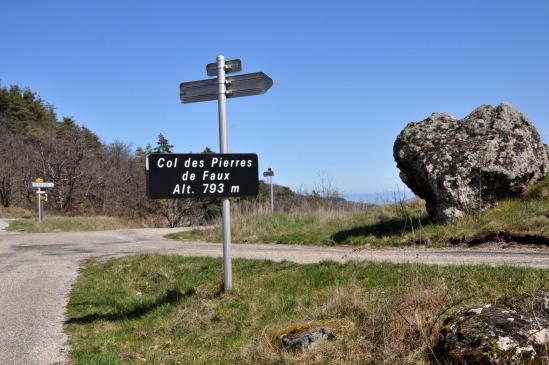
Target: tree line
91,177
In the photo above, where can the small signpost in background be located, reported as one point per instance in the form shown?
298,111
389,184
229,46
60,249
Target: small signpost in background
270,173
41,195
212,175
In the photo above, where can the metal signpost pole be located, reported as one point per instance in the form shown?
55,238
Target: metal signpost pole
42,200
38,198
226,207
219,89
272,196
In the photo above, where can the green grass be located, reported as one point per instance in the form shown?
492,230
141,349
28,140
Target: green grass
168,310
539,190
67,224
390,225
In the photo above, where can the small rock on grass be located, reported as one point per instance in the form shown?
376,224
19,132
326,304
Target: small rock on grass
308,335
306,339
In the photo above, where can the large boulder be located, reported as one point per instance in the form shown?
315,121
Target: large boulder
460,166
514,331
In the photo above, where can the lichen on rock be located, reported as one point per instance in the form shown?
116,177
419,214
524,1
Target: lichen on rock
513,331
308,335
460,166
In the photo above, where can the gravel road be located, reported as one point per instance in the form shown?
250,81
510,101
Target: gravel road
37,270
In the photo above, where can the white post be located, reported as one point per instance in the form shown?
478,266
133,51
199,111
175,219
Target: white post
226,207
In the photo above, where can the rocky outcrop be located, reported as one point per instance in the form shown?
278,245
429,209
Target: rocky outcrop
514,331
460,166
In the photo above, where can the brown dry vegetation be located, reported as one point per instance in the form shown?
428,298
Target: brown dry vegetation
71,224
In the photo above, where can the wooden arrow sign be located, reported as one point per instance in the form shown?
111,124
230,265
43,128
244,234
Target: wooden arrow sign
242,85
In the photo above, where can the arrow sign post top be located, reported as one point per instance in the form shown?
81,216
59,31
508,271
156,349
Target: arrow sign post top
241,85
231,66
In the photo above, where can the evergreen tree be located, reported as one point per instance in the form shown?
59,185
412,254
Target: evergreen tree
140,153
163,146
22,111
92,140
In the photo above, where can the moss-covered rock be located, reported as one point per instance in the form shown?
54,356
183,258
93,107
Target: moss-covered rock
461,166
308,335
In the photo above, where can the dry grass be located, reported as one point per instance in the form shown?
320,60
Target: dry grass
15,212
401,224
539,190
402,329
69,224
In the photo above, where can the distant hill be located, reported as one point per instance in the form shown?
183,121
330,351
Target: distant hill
380,198
288,200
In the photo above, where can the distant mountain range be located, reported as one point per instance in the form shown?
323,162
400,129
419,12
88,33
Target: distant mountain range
386,197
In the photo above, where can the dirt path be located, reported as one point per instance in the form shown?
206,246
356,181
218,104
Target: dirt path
37,270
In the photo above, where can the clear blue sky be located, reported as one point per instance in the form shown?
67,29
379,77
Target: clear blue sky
348,75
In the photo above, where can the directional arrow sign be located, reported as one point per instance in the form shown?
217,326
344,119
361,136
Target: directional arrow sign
230,67
241,85
248,84
195,91
42,184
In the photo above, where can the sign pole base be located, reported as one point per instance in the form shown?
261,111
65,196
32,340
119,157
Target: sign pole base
227,265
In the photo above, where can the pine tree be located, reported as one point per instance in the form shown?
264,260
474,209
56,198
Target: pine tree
163,146
140,153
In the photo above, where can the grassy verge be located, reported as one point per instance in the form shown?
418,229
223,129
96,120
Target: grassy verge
168,310
391,225
67,224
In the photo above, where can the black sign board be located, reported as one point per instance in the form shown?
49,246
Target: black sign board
192,175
